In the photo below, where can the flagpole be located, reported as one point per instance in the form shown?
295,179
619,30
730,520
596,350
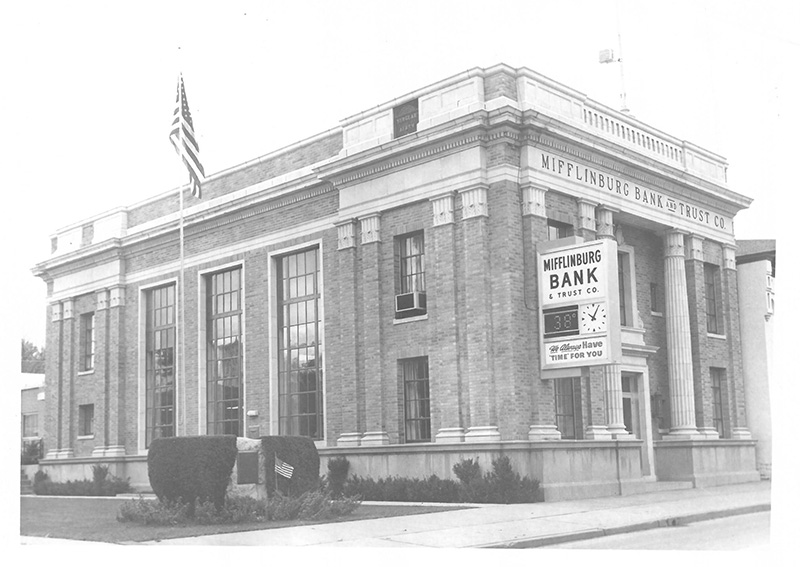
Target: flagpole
275,469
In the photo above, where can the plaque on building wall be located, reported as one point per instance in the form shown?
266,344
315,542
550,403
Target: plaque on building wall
578,304
406,117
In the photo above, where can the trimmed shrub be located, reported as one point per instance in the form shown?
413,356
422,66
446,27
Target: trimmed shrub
153,512
298,452
188,469
337,475
315,505
399,489
500,486
312,505
105,486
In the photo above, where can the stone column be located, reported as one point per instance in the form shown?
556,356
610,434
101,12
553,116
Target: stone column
612,373
477,295
534,228
349,435
115,441
446,387
695,288
53,381
735,374
66,412
679,340
371,334
102,413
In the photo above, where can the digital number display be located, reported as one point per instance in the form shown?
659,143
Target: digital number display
561,322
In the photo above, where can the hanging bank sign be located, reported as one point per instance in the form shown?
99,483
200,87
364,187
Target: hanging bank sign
578,304
643,200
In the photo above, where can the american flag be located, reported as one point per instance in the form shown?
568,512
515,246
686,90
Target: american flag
282,468
182,137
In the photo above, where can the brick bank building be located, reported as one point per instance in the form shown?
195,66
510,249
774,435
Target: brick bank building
378,288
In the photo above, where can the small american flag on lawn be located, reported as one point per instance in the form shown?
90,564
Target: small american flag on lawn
283,469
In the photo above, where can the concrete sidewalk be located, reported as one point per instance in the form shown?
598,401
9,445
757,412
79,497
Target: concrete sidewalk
515,525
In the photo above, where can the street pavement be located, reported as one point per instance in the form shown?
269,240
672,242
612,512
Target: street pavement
514,525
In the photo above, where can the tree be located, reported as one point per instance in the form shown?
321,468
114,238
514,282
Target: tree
32,358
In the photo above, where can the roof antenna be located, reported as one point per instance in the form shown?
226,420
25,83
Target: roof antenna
607,56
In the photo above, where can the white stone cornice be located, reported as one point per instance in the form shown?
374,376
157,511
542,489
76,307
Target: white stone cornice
443,206
696,248
371,228
117,296
474,202
347,234
729,257
533,200
102,300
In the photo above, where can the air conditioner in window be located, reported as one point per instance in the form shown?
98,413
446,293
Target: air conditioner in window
413,301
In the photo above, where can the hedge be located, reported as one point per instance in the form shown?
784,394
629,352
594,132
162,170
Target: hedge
188,469
298,452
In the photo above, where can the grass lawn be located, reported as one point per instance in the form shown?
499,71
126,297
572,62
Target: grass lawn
95,519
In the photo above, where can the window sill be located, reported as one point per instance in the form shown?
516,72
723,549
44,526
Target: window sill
656,314
410,319
716,336
86,372
85,437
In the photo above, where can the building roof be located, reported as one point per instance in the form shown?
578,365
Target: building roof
755,250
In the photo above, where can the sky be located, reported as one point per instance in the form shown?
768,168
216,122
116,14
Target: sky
89,92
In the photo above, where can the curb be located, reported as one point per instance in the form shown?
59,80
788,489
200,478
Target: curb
642,526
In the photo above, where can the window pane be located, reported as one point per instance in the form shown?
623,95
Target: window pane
298,386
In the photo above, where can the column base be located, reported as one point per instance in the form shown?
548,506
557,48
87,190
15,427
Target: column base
741,433
618,431
708,432
372,438
482,434
110,451
683,434
599,432
61,454
543,433
450,435
349,440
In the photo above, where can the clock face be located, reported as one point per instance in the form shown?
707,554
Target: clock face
593,318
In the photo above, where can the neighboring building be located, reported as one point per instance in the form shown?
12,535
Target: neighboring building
412,288
755,264
32,408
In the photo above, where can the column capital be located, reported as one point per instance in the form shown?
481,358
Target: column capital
605,221
56,311
533,200
66,309
695,251
729,257
443,206
673,243
102,300
586,218
346,233
371,228
117,296
474,202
